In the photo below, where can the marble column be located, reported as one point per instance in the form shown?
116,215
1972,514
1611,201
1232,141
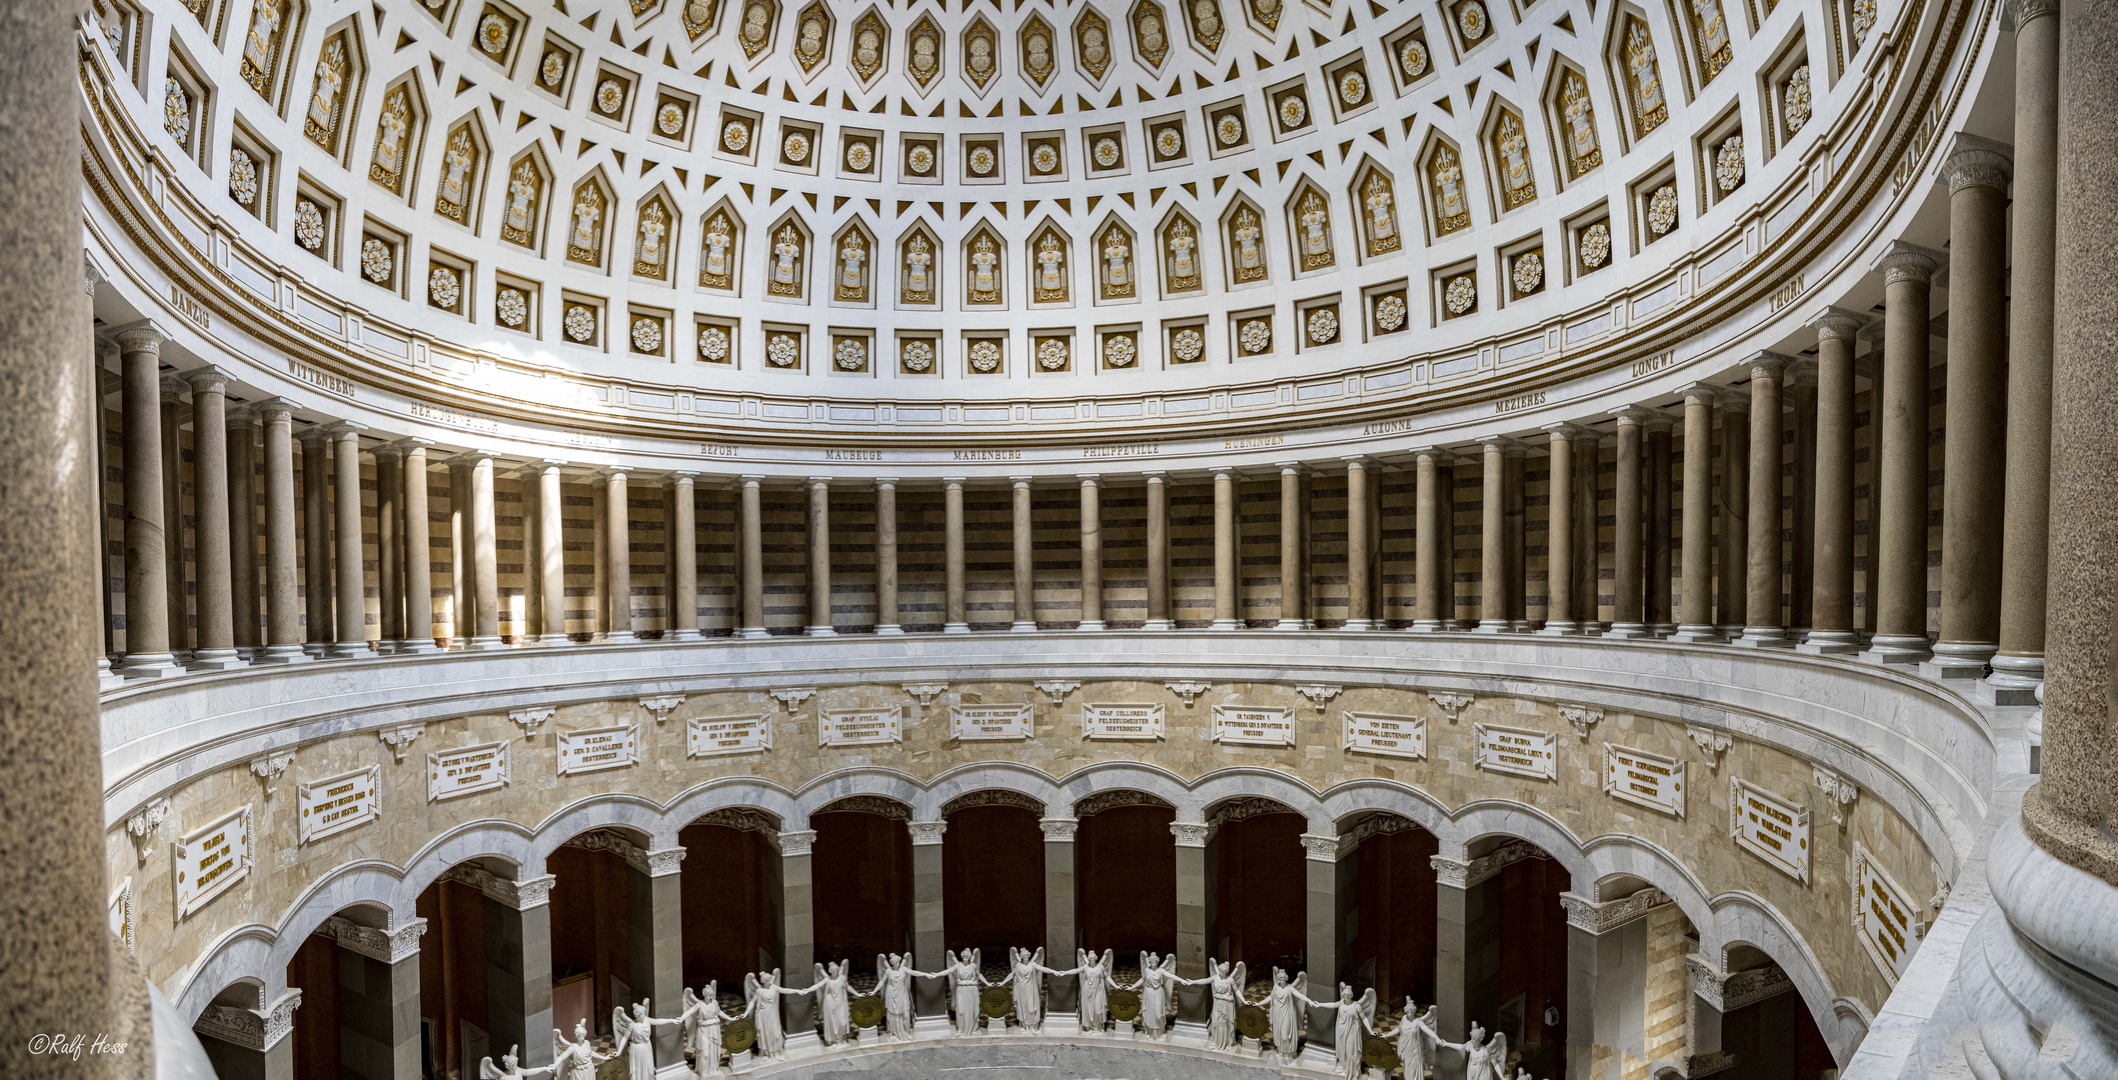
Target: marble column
1326,934
1227,576
1901,545
389,546
1060,941
242,531
1732,506
351,639
147,641
176,576
1360,581
1588,565
886,613
1091,552
1158,552
1695,617
1655,593
618,543
1831,630
658,953
1494,584
954,619
2018,668
209,486
519,980
1628,618
1606,967
752,557
1294,591
1976,171
1702,1015
418,552
1452,949
1025,594
1430,533
463,604
283,630
683,541
820,624
318,620
551,552
250,1044
485,563
378,997
798,902
929,996
1191,897
1764,627
1559,610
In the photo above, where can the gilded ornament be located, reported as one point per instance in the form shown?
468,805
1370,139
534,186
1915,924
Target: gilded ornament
985,356
1119,350
918,355
1093,42
1471,19
610,95
1106,152
553,68
493,32
1229,130
1728,164
713,344
1528,272
1255,336
1051,354
783,350
859,157
1150,34
1412,58
796,147
698,15
925,62
646,336
1267,11
980,63
1293,111
1662,210
444,288
1037,61
1352,88
1169,142
1797,96
669,119
580,323
757,27
1044,159
512,307
735,136
809,43
1390,312
375,261
1187,345
1461,294
983,160
869,35
1863,21
176,112
242,177
851,353
1323,326
921,160
1596,245
308,224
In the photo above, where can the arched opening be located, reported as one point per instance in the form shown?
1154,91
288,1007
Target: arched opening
992,873
351,1022
862,866
733,922
1394,900
472,976
602,932
1257,900
1125,873
1768,1028
1515,976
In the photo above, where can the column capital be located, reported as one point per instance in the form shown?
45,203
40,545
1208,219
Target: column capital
1220,471
1318,848
682,476
1059,829
1354,461
275,409
347,430
946,481
1089,479
2022,12
208,380
1294,467
173,389
252,1029
1659,421
243,416
1837,323
1562,430
1702,393
470,458
388,946
1021,481
1766,365
412,444
1801,371
797,841
1190,833
1970,161
315,436
145,336
664,862
613,471
1901,261
818,481
91,274
1738,404
1502,444
750,480
1435,454
388,451
883,482
1631,415
926,833
1155,476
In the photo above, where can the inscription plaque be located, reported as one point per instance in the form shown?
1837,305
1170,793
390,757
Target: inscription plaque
973,722
1516,750
1386,735
1110,720
1884,915
1650,780
711,736
595,749
466,770
209,861
861,727
1770,827
340,802
1253,725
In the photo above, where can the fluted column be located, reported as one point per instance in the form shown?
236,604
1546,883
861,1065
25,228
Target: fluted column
886,614
1025,594
820,557
1588,563
1831,604
1655,591
1732,505
1901,547
1360,582
1158,552
1695,619
316,541
1091,552
2018,668
1627,617
1493,583
209,492
147,649
683,541
485,563
418,552
283,630
954,619
618,544
177,593
1294,592
389,546
1429,534
1227,599
752,559
1976,171
1764,626
1559,617
242,531
351,639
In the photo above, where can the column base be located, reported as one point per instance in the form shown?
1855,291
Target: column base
1237,624
216,660
752,632
1566,628
1493,626
1429,626
946,628
1959,660
1763,637
1829,643
1518,626
2014,681
1696,634
890,629
1020,626
1898,649
1159,624
150,666
485,644
288,654
821,631
317,650
107,679
1626,630
1661,629
350,650
1294,624
687,633
1730,633
549,640
249,652
1351,624
420,646
1092,625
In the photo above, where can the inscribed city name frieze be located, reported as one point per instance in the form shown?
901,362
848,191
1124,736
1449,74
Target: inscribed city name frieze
1650,780
1516,750
861,727
1389,736
211,860
972,722
1118,721
1770,827
1884,916
708,736
596,749
1251,725
466,770
340,802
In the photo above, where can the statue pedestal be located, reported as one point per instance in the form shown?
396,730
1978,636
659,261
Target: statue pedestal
1251,1046
869,1037
996,1025
739,1062
1125,1029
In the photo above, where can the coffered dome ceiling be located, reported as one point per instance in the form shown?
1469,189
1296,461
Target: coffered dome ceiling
754,196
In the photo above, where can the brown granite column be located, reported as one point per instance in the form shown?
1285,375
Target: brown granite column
1360,582
683,540
617,541
1655,593
1761,597
463,603
551,551
174,551
283,614
418,551
1158,552
820,624
1515,521
389,546
1493,583
1976,171
1800,391
953,618
242,531
1732,506
1559,537
1588,565
351,639
1429,534
209,473
1294,592
147,650
752,560
887,618
1226,577
1831,607
1025,594
485,558
1627,616
2018,668
1901,545
1091,553
1695,622
318,620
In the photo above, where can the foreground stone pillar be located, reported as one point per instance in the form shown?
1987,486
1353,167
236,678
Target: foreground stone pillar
1606,946
242,531
798,903
1091,553
953,618
1627,615
1430,533
389,546
1060,941
1831,608
378,998
283,630
752,558
250,1044
317,589
1360,579
1025,594
1559,610
886,613
1294,582
930,997
1158,552
820,624
683,540
1227,576
147,640
485,564
1696,615
1901,479
209,492
418,552
351,639
1764,627
1732,505
1655,602
1494,583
